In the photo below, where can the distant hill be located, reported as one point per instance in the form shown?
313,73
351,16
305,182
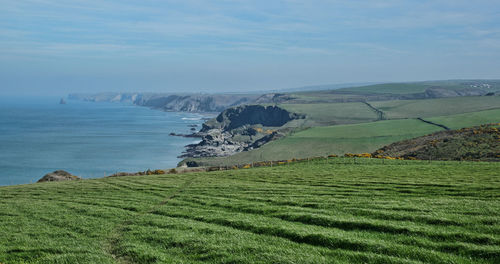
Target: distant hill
445,88
474,143
322,87
400,91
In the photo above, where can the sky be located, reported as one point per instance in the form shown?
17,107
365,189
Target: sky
65,46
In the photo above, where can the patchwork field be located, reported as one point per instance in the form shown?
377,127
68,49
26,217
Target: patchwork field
353,138
322,141
334,113
437,107
468,119
418,87
324,211
391,88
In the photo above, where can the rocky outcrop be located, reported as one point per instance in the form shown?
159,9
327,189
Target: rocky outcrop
268,116
58,175
240,128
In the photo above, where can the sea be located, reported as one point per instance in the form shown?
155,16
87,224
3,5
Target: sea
39,135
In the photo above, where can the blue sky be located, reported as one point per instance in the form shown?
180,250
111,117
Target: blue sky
62,46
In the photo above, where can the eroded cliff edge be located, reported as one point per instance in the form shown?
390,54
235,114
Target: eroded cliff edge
200,103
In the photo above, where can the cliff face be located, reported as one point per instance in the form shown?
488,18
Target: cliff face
105,97
241,128
173,102
193,103
267,116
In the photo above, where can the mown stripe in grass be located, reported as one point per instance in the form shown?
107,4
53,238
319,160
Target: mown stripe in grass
348,224
320,240
114,246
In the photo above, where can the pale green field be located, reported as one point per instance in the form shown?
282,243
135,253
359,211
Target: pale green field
334,113
437,107
321,141
419,87
390,88
468,119
352,138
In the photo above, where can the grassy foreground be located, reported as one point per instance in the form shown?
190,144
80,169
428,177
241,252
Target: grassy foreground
325,211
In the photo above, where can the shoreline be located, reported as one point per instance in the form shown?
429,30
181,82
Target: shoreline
88,140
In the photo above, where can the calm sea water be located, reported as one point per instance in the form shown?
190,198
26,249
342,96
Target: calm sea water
39,135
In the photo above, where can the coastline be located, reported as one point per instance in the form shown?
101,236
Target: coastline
87,140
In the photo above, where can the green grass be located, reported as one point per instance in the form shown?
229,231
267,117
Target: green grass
468,119
390,88
437,107
335,211
355,138
321,141
420,87
334,113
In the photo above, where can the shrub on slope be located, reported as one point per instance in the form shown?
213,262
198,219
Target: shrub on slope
474,143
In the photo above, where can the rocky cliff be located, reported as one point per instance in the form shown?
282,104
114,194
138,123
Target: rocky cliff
241,128
268,116
174,102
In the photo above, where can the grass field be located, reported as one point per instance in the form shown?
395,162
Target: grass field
468,119
419,87
390,88
335,211
437,107
353,138
334,113
321,141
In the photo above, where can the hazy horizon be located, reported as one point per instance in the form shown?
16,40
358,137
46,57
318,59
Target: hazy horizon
59,47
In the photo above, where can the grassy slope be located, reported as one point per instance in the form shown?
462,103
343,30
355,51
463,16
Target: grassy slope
335,142
340,212
468,119
360,92
475,143
340,139
419,87
437,107
334,113
355,138
391,88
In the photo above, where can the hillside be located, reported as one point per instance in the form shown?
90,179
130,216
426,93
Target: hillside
351,138
400,91
337,211
184,102
426,106
474,143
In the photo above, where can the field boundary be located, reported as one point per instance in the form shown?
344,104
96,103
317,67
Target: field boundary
380,113
434,124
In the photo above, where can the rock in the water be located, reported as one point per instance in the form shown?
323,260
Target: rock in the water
58,175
